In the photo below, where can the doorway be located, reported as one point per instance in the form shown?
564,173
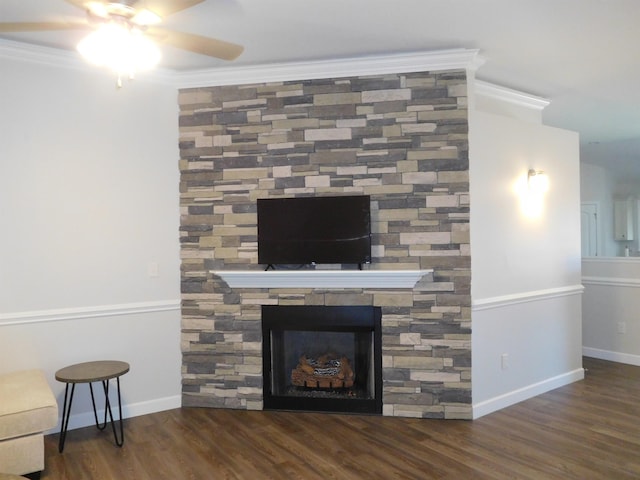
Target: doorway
589,227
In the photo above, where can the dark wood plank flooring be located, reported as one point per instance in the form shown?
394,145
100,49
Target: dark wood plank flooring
586,430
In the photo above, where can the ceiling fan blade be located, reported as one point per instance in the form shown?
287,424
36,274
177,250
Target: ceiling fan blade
40,26
165,8
78,3
198,44
159,7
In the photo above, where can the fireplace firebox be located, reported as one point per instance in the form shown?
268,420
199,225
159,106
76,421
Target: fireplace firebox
322,358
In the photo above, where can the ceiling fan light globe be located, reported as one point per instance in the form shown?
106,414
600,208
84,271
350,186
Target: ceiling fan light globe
97,47
119,48
141,53
98,9
146,17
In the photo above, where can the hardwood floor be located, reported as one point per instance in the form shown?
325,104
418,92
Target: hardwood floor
586,430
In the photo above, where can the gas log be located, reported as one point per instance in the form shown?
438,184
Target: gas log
327,371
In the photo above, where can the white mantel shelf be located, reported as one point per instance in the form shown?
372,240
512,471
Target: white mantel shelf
322,278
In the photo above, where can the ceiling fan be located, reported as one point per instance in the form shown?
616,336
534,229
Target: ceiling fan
138,18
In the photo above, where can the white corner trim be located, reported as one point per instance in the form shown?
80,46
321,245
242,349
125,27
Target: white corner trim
322,278
509,95
532,296
628,358
334,68
521,394
54,315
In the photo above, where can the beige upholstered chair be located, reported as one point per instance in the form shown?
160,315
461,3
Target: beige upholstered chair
28,408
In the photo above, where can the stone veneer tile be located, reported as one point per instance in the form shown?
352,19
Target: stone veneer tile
337,98
386,95
401,138
414,177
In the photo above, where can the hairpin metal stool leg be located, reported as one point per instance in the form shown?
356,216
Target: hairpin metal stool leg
66,410
107,410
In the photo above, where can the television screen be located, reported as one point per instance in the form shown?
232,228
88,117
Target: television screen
306,230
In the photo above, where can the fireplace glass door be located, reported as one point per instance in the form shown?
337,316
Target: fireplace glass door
319,358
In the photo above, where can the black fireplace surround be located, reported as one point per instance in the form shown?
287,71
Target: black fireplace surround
296,337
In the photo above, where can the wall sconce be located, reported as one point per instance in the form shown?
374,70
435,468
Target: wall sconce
531,190
537,181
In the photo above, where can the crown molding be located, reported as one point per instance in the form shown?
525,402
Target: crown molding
509,95
47,56
454,59
60,58
440,60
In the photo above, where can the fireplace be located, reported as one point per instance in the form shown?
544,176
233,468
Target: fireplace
322,358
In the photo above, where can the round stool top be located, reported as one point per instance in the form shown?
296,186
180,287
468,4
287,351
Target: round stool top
92,371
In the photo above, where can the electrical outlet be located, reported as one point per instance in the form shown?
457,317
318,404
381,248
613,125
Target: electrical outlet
504,361
622,327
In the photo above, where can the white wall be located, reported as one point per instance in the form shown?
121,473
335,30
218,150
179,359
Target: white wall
525,271
611,309
88,202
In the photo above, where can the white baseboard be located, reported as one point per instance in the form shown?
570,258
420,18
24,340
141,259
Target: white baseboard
516,396
627,358
86,419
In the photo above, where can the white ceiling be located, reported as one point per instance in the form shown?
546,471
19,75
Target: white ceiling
580,54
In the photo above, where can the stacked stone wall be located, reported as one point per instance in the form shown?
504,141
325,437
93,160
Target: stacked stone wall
402,139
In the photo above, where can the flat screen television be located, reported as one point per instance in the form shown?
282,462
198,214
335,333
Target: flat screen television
308,230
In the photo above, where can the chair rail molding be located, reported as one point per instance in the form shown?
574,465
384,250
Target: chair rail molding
612,281
54,315
523,297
